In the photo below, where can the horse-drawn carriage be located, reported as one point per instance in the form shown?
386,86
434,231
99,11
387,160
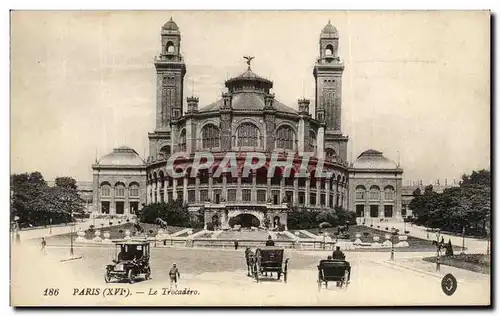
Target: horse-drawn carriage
267,260
338,271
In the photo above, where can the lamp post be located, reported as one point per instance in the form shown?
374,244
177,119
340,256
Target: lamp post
324,240
393,233
71,252
438,250
463,239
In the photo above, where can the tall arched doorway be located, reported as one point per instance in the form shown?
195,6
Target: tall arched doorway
245,220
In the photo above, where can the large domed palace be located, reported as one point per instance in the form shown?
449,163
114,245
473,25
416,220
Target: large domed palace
247,118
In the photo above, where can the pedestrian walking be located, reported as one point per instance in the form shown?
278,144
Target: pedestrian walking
44,244
236,244
174,276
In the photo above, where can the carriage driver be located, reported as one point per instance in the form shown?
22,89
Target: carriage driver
269,242
338,254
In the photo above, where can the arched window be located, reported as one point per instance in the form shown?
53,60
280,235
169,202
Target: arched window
120,190
134,190
165,152
389,193
182,141
285,137
248,135
360,192
312,141
105,189
210,136
170,47
374,193
330,154
329,50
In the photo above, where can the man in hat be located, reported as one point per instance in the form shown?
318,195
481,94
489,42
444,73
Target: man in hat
269,242
174,275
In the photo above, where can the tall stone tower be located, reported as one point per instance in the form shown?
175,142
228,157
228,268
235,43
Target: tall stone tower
170,72
328,101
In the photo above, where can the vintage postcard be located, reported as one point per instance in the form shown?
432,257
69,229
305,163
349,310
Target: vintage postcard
250,158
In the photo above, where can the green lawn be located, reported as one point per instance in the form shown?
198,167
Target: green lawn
116,232
471,262
367,233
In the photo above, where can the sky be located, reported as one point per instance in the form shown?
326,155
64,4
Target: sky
416,85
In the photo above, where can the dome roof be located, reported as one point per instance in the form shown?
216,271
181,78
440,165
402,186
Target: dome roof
170,25
122,156
329,31
373,159
249,77
248,101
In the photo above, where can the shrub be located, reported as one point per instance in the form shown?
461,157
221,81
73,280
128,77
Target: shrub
378,226
151,231
407,231
345,236
335,233
324,225
121,231
110,223
371,225
387,228
366,234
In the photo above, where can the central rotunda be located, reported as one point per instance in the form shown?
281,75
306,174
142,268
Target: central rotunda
248,118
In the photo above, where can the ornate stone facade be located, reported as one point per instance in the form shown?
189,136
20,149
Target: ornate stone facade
247,118
375,187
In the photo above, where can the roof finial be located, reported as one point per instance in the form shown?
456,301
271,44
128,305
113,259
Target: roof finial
398,160
249,60
171,20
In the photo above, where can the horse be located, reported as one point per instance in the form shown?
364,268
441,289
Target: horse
162,223
250,258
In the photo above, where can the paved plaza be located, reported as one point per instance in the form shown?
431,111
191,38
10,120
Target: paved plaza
220,278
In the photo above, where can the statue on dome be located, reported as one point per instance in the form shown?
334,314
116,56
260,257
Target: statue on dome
249,60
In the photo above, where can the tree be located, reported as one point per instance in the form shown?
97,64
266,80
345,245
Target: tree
174,212
466,206
35,203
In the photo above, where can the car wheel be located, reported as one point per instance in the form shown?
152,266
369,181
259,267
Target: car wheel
131,276
107,277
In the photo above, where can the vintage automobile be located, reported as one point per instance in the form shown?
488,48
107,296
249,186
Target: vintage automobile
338,271
131,260
270,260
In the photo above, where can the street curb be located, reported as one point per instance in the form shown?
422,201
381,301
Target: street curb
70,259
436,275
